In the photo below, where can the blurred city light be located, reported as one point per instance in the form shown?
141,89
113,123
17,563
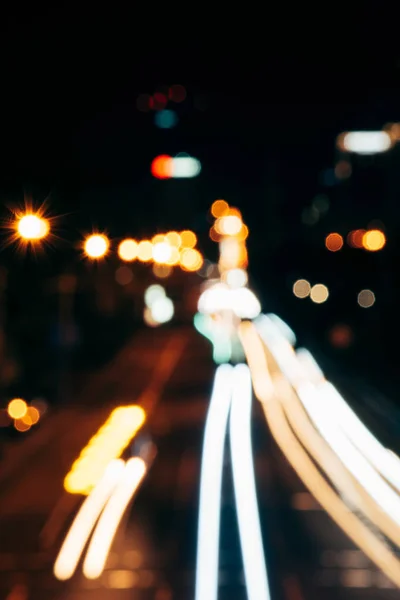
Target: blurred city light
374,240
191,259
162,271
229,225
177,93
20,425
319,293
96,246
174,239
355,238
185,167
334,242
32,416
153,293
365,142
162,310
366,298
174,257
17,408
235,278
343,169
32,227
123,275
161,167
188,239
301,288
145,251
127,250
159,101
107,444
162,252
179,167
165,119
341,336
219,208
148,318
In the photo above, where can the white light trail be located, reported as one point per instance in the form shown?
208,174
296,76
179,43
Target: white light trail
245,489
365,142
81,528
210,486
353,460
110,519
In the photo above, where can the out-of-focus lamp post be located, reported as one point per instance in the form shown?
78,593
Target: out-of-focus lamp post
32,227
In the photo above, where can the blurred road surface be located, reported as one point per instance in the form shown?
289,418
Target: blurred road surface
170,373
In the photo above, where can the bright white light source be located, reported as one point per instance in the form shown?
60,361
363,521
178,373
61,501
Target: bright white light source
162,252
185,166
162,310
153,293
319,293
365,142
236,278
219,297
245,488
110,519
245,304
210,486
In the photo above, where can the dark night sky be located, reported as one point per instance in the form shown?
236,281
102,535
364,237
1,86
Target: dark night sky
277,95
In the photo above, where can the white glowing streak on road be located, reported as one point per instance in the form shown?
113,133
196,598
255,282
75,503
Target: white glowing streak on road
82,526
110,519
210,486
353,460
245,488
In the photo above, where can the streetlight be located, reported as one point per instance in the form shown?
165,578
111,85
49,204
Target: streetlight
31,227
96,245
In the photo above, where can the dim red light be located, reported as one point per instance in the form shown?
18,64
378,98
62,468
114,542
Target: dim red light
159,101
177,93
161,167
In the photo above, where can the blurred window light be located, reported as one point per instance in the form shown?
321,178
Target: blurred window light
301,288
165,119
235,278
188,239
161,167
177,93
366,298
364,142
174,239
162,310
219,208
162,252
96,246
343,169
123,275
33,227
17,408
128,249
319,293
191,259
334,242
107,444
145,251
355,238
153,293
374,240
162,271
